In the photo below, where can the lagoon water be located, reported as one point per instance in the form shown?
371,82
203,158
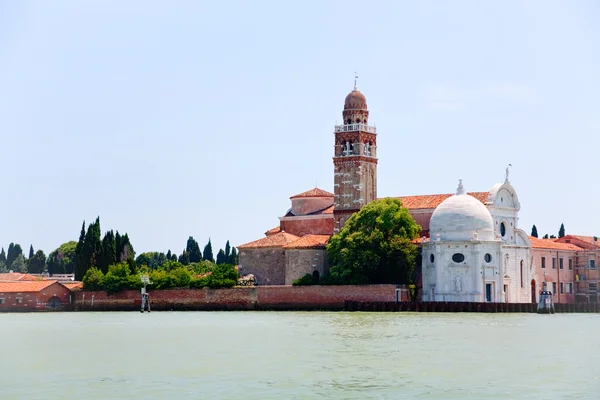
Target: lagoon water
299,355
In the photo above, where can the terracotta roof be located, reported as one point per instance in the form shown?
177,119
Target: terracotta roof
328,210
74,285
24,286
309,242
316,192
17,276
273,231
431,201
551,244
277,240
582,241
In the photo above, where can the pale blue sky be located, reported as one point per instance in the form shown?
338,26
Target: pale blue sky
172,118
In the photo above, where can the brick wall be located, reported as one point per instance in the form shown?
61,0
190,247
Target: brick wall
260,297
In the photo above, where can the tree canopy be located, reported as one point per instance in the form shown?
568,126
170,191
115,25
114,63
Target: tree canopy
375,245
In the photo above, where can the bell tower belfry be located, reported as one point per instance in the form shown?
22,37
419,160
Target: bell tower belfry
354,160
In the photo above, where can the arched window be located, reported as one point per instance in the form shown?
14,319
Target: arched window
521,273
315,276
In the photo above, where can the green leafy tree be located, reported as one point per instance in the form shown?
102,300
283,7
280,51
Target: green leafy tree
36,263
375,245
62,260
221,258
534,231
19,264
93,279
151,259
208,253
117,278
108,252
3,256
31,252
14,250
193,249
561,231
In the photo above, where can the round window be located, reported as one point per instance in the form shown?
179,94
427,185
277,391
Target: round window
458,257
431,258
487,258
502,229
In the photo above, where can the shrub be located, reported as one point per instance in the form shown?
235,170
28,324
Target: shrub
304,281
93,279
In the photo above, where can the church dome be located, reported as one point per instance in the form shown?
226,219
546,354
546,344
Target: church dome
355,101
461,217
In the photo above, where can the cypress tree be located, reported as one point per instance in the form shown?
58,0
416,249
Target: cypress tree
36,263
173,257
14,251
221,258
118,245
31,252
233,259
534,231
2,256
208,253
184,258
561,231
545,236
169,254
108,255
193,249
227,250
80,255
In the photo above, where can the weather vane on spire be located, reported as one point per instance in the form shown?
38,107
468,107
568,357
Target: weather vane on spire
355,78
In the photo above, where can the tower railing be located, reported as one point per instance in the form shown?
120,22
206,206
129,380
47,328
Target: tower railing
355,128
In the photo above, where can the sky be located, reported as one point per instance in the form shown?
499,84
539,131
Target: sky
197,118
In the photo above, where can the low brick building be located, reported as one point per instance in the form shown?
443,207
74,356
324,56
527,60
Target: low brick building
39,295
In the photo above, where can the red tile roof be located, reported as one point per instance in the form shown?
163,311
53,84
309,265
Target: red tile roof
431,201
316,192
309,242
74,285
277,240
328,210
273,231
582,241
17,276
551,244
24,286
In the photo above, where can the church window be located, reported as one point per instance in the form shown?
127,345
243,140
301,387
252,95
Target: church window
560,263
431,258
502,229
487,258
521,273
543,262
458,257
570,263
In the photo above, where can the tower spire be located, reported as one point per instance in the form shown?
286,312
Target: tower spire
355,78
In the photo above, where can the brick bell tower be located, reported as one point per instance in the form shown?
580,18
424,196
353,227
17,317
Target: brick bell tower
354,160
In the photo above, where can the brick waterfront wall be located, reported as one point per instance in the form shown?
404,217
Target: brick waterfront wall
257,298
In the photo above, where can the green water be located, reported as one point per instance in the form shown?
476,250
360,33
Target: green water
313,355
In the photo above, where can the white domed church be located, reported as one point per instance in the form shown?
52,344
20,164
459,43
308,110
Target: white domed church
475,251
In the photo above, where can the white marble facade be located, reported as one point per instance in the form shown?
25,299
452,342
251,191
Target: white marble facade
476,253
